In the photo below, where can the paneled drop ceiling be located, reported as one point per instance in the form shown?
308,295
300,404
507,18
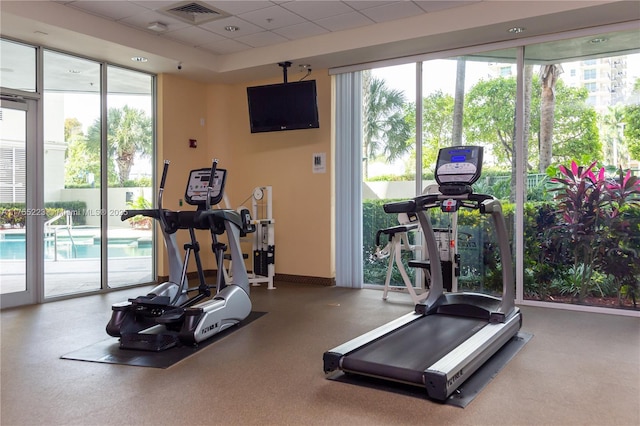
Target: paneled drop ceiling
231,41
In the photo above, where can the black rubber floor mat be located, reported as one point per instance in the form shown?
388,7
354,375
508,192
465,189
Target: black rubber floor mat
465,393
108,351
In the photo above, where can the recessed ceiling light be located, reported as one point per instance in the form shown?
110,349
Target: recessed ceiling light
516,30
597,40
139,59
158,27
231,28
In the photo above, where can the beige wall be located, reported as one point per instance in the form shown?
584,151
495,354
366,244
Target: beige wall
182,105
302,200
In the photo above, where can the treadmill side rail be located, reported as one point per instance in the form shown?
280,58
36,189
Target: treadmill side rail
446,375
333,356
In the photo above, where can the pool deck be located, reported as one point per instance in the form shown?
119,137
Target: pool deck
67,276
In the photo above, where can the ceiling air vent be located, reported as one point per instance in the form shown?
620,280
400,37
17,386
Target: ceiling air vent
194,12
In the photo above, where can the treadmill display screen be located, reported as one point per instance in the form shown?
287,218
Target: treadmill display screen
459,165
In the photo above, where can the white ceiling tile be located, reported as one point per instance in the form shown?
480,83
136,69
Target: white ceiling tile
434,5
237,7
108,9
194,36
265,38
366,4
244,27
313,10
390,12
272,17
298,31
344,21
155,4
226,46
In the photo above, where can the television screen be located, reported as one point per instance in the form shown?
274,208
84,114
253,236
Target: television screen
284,106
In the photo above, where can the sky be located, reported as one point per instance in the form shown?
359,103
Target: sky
86,107
436,75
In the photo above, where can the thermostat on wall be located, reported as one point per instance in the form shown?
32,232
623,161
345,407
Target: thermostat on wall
320,162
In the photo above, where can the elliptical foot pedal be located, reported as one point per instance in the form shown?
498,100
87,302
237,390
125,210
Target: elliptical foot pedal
171,317
151,300
148,342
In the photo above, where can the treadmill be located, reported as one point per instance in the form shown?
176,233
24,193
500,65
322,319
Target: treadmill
448,336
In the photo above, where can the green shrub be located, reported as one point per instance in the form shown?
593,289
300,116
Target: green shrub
14,214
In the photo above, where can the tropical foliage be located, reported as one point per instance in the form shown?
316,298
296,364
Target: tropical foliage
386,130
129,136
581,223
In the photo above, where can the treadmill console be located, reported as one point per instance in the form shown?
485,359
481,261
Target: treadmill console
459,165
196,193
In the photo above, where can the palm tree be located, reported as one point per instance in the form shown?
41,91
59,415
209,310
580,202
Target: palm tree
458,106
528,86
549,75
610,129
385,128
129,133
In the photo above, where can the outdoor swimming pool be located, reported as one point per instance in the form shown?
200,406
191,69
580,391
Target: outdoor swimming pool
82,245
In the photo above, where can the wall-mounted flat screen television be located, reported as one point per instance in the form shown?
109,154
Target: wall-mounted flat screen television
284,106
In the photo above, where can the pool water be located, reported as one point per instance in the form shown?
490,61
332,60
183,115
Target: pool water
12,247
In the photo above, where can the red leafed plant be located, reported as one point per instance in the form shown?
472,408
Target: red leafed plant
592,208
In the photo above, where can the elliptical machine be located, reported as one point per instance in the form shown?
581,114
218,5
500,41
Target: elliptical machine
168,316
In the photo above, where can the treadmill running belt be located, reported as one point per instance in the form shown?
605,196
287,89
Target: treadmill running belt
404,354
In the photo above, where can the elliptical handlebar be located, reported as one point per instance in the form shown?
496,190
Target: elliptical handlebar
163,180
165,169
214,166
152,213
128,214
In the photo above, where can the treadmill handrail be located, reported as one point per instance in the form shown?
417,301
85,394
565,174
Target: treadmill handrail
423,202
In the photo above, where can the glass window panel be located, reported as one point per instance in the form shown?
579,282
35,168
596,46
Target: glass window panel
130,146
72,248
20,72
582,243
388,160
471,101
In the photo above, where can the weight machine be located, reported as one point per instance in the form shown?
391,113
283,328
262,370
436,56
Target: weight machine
398,241
263,247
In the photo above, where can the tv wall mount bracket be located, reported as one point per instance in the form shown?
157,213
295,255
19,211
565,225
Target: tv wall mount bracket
284,66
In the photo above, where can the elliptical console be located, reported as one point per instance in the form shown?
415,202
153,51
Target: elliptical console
198,187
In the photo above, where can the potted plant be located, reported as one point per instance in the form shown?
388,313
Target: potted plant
139,221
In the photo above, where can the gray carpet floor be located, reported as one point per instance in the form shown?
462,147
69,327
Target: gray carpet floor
579,368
